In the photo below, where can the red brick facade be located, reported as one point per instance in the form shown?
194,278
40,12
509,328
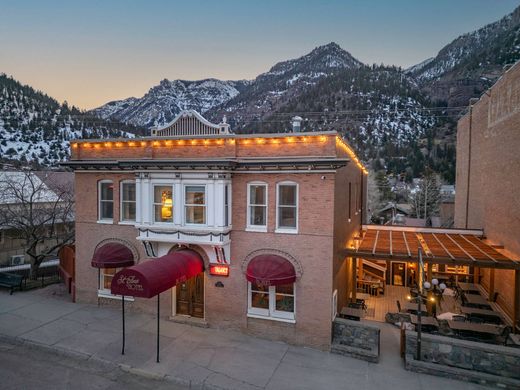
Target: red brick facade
488,176
330,208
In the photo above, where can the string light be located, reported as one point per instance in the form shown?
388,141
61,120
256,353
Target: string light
352,155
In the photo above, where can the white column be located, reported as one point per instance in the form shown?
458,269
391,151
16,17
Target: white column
138,200
146,200
210,203
178,202
219,203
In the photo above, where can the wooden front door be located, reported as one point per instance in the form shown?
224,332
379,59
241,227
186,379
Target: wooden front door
190,297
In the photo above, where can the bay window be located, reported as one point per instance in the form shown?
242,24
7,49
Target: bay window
127,201
106,200
195,205
276,302
257,206
163,204
287,207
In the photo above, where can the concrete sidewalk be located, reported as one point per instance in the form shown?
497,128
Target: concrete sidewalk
197,357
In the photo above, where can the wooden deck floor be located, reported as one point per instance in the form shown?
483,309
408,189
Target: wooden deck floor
379,306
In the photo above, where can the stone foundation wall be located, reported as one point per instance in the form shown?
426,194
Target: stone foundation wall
357,339
465,355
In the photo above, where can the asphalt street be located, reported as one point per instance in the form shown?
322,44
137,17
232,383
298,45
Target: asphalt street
25,368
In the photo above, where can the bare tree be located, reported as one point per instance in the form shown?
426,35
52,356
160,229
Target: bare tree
425,200
41,217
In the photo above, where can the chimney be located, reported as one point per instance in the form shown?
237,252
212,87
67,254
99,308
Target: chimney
296,124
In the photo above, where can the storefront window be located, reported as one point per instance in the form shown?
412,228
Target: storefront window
163,204
195,205
275,302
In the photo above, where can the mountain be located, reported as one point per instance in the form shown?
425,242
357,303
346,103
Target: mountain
163,102
35,128
470,64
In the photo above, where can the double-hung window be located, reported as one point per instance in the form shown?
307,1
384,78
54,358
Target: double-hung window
195,205
257,206
287,207
163,204
275,302
127,201
106,200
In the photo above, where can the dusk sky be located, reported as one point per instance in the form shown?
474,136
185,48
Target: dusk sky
91,52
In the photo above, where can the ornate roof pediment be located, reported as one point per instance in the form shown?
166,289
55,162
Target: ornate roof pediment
190,123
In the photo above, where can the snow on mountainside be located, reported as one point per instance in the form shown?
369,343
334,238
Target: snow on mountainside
163,102
483,51
285,80
36,128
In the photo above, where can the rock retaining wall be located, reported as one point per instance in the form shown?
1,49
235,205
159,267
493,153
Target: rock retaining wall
489,364
356,339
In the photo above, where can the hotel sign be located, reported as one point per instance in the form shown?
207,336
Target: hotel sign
219,270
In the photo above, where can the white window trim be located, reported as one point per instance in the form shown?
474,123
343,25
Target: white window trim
271,313
152,187
287,229
104,220
257,228
185,205
121,220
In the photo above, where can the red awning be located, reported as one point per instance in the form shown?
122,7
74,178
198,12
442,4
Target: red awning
112,255
270,270
152,277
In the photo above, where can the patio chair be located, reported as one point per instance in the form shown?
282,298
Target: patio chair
505,334
355,305
399,307
362,303
494,297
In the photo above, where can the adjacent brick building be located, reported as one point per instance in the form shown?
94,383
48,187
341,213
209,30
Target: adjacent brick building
298,198
488,181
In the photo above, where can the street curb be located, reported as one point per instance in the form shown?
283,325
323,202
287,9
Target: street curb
109,365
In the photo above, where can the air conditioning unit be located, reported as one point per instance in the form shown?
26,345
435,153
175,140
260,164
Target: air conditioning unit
17,259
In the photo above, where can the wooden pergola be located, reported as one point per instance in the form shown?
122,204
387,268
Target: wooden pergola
456,247
439,246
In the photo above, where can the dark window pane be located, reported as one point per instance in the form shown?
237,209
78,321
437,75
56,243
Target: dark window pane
107,209
260,300
257,195
129,211
287,217
129,191
196,214
195,195
285,303
287,195
107,191
259,287
257,216
285,289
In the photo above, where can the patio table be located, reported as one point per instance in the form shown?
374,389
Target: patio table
473,300
352,313
482,314
472,329
426,322
468,288
411,307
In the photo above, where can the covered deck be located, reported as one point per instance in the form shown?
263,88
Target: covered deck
442,249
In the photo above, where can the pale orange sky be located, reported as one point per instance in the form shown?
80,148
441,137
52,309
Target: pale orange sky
91,52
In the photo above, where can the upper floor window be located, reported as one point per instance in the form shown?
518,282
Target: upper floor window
195,205
106,200
127,201
163,203
257,205
287,207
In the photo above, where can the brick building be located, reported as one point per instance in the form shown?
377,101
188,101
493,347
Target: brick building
487,181
273,211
